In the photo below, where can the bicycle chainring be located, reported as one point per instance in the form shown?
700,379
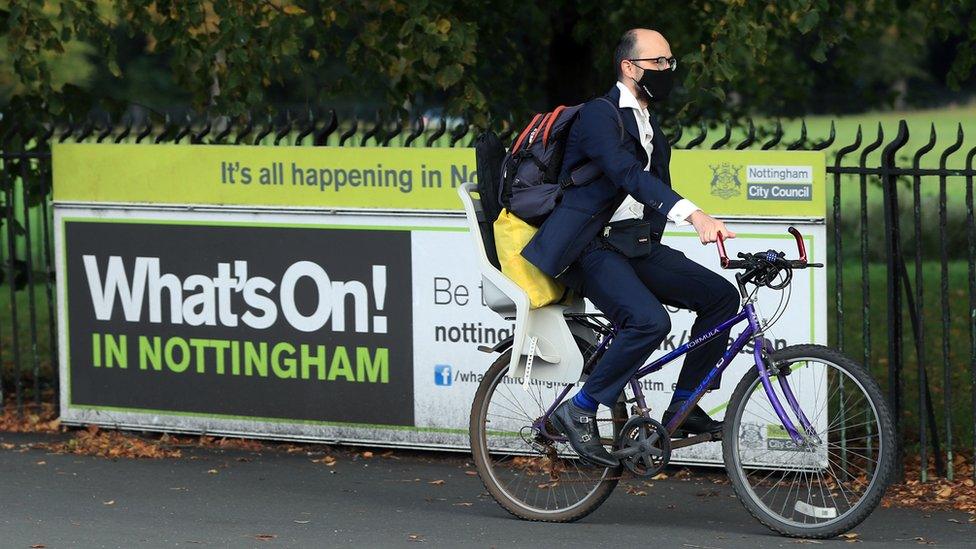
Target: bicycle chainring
643,446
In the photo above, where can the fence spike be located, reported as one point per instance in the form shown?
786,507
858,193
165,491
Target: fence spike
184,130
924,149
268,128
826,142
248,128
775,139
725,138
285,129
86,130
228,124
372,132
750,137
418,129
145,131
349,133
167,127
69,129
698,140
849,148
197,138
48,133
870,148
306,129
796,145
676,135
126,130
459,132
441,128
952,148
322,136
397,130
107,130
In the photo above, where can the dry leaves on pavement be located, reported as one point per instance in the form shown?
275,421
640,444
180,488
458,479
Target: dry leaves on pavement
937,493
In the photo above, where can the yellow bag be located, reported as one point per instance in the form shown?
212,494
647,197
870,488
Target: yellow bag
511,235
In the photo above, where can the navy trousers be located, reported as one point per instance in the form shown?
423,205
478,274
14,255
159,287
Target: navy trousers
632,293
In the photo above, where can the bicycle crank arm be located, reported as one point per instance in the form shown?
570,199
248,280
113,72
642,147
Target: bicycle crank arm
697,439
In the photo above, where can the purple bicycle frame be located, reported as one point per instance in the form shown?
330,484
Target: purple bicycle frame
750,332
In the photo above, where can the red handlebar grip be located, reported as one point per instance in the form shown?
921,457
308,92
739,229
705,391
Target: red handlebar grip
723,258
799,243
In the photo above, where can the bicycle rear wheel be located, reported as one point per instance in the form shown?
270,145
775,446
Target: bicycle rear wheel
835,479
530,476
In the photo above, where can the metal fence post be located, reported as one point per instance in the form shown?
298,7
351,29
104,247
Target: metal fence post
889,182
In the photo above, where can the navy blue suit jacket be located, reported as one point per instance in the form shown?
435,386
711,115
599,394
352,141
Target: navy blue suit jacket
583,211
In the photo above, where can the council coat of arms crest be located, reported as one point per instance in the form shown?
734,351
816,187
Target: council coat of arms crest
725,180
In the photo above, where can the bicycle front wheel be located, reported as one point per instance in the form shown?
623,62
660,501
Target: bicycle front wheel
531,476
832,481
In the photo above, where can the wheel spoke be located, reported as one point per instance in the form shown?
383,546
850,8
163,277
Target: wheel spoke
824,480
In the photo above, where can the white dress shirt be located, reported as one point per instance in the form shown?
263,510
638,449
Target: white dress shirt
630,208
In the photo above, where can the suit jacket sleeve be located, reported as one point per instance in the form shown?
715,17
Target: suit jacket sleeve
600,141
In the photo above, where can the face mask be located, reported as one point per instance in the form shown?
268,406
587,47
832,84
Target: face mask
656,84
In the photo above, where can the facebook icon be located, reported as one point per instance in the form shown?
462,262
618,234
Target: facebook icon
442,375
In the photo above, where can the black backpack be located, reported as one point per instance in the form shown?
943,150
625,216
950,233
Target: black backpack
489,153
530,186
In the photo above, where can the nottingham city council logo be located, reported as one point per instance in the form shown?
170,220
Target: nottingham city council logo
725,180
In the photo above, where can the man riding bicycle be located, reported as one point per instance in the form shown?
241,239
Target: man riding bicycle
631,286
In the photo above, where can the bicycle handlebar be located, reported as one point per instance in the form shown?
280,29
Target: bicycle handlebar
793,263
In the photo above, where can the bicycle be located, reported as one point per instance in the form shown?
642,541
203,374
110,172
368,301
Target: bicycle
833,463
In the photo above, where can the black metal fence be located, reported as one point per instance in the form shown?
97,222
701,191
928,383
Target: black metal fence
903,247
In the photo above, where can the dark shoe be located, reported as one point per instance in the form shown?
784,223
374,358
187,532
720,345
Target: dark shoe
579,426
697,422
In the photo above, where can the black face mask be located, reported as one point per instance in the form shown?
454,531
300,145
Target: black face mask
655,85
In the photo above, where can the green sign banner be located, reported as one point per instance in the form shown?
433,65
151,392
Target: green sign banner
752,183
735,183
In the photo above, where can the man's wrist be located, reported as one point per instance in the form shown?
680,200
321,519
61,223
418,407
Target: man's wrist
693,216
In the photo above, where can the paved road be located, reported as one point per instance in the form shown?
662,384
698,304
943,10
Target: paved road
80,501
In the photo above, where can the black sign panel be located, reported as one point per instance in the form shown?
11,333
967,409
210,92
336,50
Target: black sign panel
255,321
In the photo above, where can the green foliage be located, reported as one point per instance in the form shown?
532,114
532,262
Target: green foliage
476,57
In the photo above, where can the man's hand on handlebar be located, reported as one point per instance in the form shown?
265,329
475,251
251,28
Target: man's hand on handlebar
708,227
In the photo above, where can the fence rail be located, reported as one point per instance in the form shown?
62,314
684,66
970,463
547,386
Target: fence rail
890,208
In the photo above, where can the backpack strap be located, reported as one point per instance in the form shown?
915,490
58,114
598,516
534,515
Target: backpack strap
588,172
525,132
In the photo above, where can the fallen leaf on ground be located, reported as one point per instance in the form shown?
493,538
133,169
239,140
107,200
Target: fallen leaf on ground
328,460
471,473
437,482
264,537
660,476
109,502
300,521
463,504
945,492
367,455
415,537
42,462
212,471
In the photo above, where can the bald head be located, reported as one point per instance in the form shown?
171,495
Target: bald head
638,44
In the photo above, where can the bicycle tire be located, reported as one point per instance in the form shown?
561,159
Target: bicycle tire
479,451
887,452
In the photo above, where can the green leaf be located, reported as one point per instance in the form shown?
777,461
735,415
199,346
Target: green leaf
819,53
808,21
449,75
